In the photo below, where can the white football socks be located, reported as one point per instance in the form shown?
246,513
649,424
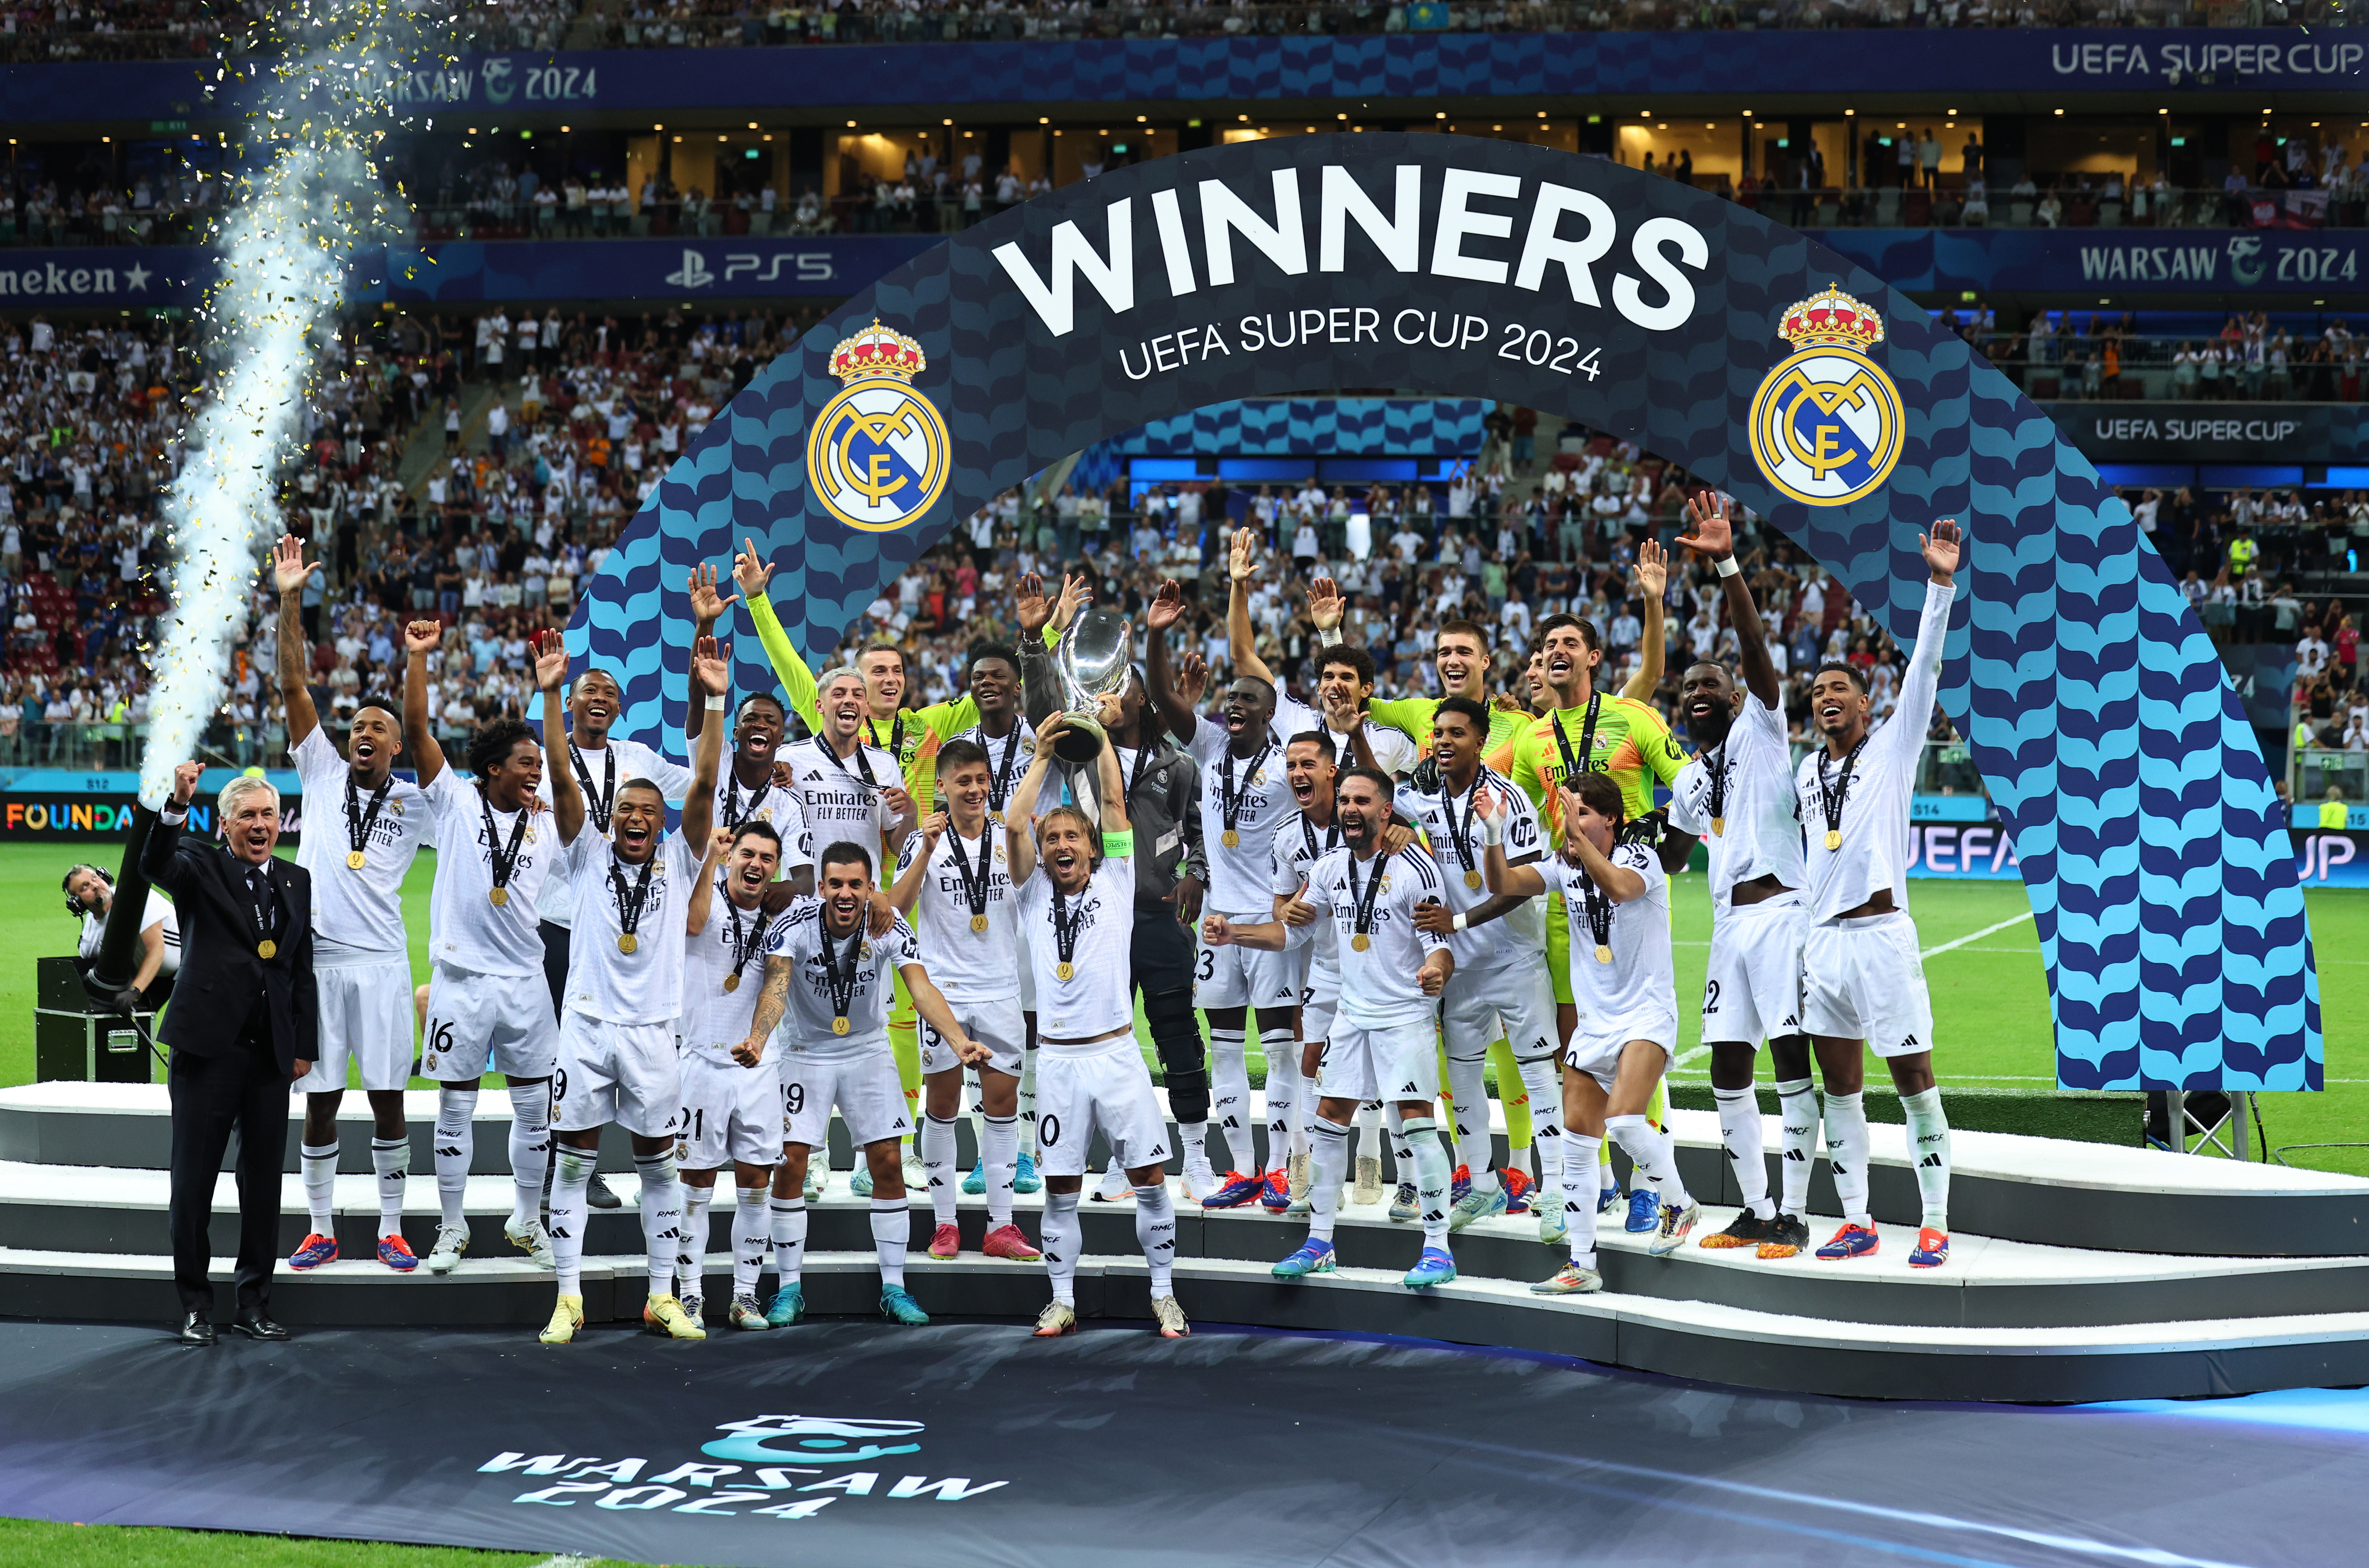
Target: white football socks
1739,1134
569,1204
530,1149
1431,1175
1797,1123
1229,1102
938,1159
1579,1194
1847,1151
1155,1232
391,1161
456,1144
1282,1093
1648,1148
749,1240
1542,1082
1928,1146
1061,1244
661,1218
320,1166
1475,1148
1329,1166
1000,1155
789,1237
1028,1098
1370,1130
892,1229
691,1251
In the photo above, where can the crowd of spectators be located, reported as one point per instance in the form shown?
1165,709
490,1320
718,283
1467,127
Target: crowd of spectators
33,30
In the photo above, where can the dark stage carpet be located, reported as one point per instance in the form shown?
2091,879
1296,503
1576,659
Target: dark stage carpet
966,1443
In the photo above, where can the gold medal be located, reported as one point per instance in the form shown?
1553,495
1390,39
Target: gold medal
356,860
1602,954
978,923
1230,839
1472,879
266,948
500,895
1064,970
627,941
1834,837
1361,942
731,982
1718,827
839,1024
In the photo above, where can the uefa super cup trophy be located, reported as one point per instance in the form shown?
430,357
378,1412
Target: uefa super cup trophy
1091,658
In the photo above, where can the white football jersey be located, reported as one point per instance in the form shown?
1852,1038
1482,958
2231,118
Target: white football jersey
1746,783
1638,979
1299,845
967,965
1007,763
1873,816
1241,873
774,804
604,981
466,928
1454,835
357,914
600,772
806,1023
841,800
1378,988
733,941
1098,996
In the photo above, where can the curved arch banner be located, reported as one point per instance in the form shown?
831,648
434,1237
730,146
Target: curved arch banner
2119,757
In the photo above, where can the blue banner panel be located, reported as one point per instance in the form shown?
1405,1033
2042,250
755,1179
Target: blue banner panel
123,275
2120,262
687,270
1192,71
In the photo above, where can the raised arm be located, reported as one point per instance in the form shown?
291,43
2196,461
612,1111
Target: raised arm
420,640
1108,780
289,573
1241,638
907,888
711,677
1175,711
1504,879
566,800
707,608
1714,540
1921,685
1653,576
719,844
752,572
160,857
1619,882
1020,805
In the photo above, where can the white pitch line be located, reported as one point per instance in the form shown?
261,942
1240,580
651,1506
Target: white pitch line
1976,935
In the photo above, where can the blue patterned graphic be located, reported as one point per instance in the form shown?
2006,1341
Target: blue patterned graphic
2108,735
1300,427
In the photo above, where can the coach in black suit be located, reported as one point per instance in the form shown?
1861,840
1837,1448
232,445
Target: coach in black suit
243,1027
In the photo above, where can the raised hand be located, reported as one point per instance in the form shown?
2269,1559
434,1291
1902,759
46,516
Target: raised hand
422,636
934,827
1487,806
1033,608
1325,604
185,782
707,606
1714,534
1166,606
1192,677
719,844
1077,592
1242,563
1056,725
288,569
708,666
1652,571
751,570
550,662
1942,549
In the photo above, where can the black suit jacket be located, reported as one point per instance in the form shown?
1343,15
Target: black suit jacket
220,971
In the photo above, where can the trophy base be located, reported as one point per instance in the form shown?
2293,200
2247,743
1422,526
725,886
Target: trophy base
1083,741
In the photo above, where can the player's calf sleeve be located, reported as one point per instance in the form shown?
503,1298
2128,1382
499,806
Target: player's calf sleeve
1329,1167
391,1161
456,1144
569,1204
1847,1151
1155,1232
1431,1174
530,1149
1542,1092
789,1237
892,1229
1513,1096
1062,1236
1648,1148
1370,1130
1028,1098
1739,1135
1229,1099
905,1047
691,1251
1000,1154
319,1164
1579,1192
1401,1151
661,1218
1797,1131
1475,1148
749,1239
1282,1095
938,1160
1928,1147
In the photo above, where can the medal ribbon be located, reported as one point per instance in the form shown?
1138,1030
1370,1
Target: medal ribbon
744,946
1230,794
1719,768
974,884
1597,905
502,861
629,905
601,804
1362,922
1462,837
1573,766
999,784
1831,800
359,822
1307,831
842,973
1065,926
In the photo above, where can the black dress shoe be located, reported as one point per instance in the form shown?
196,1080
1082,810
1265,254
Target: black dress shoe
256,1325
597,1194
197,1329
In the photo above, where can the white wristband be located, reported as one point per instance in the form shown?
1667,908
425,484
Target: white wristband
714,704
1725,567
1327,636
1493,831
1458,923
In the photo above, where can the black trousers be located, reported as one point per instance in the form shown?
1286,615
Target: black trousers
1161,955
241,1088
555,966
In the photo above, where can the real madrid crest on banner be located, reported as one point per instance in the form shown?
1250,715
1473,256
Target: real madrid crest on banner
876,456
1826,423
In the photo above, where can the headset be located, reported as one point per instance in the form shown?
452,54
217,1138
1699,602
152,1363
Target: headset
66,883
